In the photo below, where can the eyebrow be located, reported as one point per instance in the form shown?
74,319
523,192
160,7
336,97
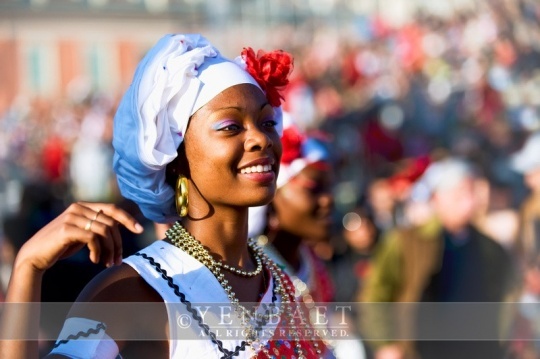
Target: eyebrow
241,108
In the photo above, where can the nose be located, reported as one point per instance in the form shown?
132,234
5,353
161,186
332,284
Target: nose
257,140
325,200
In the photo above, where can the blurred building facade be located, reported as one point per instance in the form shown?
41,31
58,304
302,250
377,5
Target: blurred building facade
65,48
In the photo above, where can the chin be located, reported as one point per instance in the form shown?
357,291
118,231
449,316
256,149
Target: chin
261,200
314,239
321,235
263,197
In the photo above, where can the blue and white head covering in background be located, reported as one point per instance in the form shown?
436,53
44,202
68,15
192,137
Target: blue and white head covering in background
310,151
178,76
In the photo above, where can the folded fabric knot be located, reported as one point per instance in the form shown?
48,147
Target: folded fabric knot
178,76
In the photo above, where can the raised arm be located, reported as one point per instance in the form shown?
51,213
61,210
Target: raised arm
94,225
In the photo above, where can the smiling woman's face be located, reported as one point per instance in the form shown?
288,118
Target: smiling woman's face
233,149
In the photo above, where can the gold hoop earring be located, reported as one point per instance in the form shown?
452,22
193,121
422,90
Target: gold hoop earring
181,196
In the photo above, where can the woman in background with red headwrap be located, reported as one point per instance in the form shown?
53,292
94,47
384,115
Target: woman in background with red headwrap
298,219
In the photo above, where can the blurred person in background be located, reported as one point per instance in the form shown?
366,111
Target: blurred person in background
351,260
298,218
527,162
38,205
444,260
300,215
388,197
352,256
381,200
496,217
527,248
92,178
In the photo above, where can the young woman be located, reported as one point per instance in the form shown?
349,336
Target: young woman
300,212
196,135
300,217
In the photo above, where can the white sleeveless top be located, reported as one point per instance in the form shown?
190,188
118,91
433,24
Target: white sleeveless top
161,264
199,286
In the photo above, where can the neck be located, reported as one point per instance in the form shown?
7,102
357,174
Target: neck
458,232
288,246
224,234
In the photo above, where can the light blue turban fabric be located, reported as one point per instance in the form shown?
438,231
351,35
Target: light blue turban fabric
179,75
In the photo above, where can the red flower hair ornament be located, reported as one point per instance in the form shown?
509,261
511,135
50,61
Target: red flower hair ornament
291,141
271,70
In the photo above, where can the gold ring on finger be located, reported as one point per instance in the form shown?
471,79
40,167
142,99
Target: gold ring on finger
97,214
88,225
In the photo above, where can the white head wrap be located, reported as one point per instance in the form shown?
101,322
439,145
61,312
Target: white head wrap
178,76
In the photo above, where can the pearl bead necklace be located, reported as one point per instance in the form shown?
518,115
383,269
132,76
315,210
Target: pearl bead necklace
241,272
186,242
182,239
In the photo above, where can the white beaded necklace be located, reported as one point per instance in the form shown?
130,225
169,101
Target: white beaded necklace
182,239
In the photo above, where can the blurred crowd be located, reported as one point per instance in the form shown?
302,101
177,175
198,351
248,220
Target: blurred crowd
390,101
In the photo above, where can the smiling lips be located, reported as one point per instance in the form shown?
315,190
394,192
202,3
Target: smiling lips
260,170
256,169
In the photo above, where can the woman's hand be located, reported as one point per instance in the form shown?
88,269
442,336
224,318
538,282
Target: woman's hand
83,224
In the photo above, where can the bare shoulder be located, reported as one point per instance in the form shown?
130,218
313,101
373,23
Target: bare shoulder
132,312
117,293
128,306
119,284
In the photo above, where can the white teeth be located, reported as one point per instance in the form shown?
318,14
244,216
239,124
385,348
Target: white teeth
256,169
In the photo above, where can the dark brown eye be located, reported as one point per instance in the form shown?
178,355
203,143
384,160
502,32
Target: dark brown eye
270,123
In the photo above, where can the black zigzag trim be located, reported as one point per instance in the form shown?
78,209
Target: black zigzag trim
227,353
99,327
